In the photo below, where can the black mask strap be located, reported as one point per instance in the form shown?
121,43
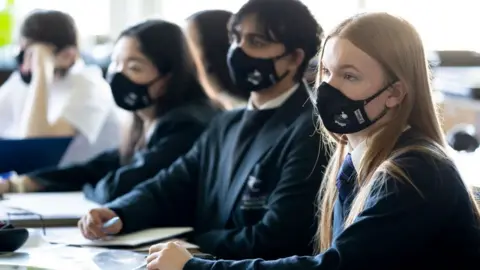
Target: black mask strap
285,74
385,110
368,100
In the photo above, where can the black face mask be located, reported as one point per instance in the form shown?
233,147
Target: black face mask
341,114
129,95
252,74
27,76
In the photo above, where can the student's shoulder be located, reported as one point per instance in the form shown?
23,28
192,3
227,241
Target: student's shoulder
13,83
226,117
426,170
200,111
89,80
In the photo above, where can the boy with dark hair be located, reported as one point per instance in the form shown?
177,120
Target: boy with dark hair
54,93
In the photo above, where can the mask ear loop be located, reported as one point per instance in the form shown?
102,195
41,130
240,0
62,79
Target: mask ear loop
385,109
285,74
368,100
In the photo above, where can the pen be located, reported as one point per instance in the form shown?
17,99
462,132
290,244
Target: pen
143,265
110,222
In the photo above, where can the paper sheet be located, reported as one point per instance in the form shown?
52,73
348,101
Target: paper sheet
58,257
51,204
74,237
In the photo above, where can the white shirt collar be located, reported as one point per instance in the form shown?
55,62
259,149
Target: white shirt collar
273,103
151,130
357,152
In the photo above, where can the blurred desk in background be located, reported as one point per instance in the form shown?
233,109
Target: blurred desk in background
458,110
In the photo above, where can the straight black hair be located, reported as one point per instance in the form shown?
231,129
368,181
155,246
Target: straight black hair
165,45
289,22
213,39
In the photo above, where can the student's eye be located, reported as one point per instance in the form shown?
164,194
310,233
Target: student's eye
325,71
350,77
135,68
257,42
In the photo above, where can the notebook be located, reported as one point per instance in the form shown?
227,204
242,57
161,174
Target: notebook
26,155
73,237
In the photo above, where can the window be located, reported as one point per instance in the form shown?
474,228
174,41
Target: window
443,25
331,13
328,14
91,16
175,12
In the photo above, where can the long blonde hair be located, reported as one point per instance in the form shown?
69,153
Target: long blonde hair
396,45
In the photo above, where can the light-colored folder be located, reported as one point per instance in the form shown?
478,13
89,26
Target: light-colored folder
73,237
45,209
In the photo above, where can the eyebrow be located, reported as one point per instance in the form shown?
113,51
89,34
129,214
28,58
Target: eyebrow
347,66
238,31
136,59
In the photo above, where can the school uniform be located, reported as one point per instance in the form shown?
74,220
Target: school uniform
104,178
248,187
82,98
399,228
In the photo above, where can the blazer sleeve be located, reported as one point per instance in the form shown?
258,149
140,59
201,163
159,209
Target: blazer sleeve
397,217
167,199
74,177
174,138
294,196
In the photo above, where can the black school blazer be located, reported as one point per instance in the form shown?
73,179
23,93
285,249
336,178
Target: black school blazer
103,178
399,228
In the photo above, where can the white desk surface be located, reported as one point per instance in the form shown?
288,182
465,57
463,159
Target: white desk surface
38,253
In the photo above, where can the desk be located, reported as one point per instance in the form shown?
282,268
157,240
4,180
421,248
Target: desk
52,209
39,253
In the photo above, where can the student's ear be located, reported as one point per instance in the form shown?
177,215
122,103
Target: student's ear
159,87
397,93
297,58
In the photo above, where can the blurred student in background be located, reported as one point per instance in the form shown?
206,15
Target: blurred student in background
255,168
153,76
209,41
392,198
54,94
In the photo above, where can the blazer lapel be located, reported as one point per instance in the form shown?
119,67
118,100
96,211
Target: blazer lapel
265,139
226,166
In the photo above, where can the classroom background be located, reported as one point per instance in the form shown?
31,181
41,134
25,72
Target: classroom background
452,47
445,33
446,27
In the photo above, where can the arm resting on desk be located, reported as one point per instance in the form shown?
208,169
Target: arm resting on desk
74,177
398,227
168,199
173,139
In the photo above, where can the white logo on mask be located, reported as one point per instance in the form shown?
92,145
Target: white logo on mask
341,119
130,99
255,77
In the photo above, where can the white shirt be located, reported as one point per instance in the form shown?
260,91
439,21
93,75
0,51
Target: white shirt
83,98
273,103
357,152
